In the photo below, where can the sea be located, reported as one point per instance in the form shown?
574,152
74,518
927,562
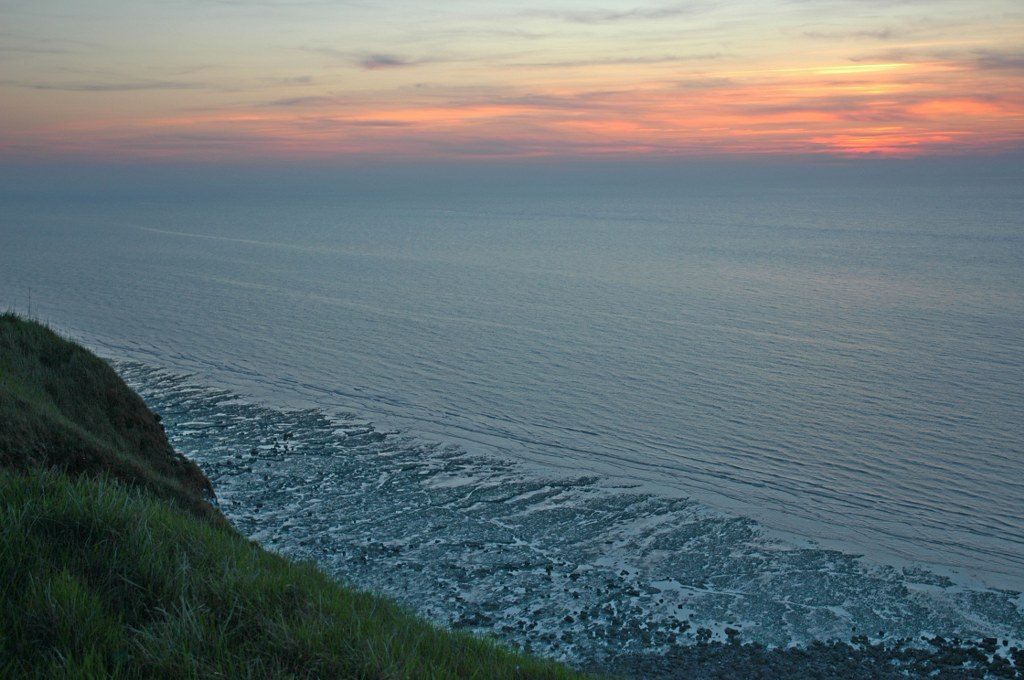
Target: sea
660,405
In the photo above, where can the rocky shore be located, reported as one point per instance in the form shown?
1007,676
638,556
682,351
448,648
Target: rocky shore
604,578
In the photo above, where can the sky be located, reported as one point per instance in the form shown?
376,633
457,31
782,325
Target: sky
249,80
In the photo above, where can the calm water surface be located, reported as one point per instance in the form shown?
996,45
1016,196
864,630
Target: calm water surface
844,364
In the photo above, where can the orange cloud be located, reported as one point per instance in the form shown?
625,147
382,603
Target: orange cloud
320,79
885,108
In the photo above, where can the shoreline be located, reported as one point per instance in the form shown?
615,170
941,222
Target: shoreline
261,495
865,535
535,467
403,549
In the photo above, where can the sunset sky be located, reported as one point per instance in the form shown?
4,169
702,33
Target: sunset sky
296,79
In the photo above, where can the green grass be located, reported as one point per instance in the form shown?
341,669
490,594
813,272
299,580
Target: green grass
62,407
99,579
113,564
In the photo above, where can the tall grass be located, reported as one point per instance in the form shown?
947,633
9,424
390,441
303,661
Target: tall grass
62,407
113,563
98,579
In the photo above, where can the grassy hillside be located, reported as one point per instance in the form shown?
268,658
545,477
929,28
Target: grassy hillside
98,579
62,407
112,563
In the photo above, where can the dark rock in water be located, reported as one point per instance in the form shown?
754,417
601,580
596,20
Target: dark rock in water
472,620
819,660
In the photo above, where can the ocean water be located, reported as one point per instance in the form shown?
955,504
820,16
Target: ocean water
824,369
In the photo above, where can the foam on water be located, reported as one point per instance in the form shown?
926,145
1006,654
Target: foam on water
840,359
562,565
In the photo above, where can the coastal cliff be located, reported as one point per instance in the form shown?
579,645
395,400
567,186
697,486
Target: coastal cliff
114,562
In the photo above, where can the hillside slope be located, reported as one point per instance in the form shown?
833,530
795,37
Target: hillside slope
114,564
62,407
